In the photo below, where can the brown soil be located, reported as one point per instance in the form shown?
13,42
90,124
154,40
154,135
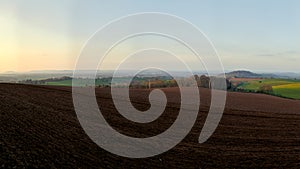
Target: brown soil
39,128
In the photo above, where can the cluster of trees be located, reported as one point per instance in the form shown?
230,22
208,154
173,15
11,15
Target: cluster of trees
153,83
202,81
205,81
266,88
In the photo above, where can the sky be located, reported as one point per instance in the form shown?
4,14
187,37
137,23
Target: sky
49,34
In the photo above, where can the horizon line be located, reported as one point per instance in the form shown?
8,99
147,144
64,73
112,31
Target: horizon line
71,70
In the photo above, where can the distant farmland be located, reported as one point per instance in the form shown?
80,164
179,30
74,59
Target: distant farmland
82,82
287,88
136,82
280,87
241,81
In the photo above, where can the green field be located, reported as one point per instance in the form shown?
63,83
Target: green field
288,90
60,83
281,87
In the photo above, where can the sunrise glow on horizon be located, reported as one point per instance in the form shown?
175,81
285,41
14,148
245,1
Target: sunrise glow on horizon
48,35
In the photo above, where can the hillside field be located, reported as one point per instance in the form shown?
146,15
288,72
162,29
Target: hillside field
281,87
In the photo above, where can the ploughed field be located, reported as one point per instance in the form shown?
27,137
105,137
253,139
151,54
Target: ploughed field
39,128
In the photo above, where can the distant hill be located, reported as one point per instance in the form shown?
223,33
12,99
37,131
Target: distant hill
242,74
9,72
289,75
248,74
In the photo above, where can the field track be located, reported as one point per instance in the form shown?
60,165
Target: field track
39,129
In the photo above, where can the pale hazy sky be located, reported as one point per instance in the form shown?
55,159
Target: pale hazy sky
251,34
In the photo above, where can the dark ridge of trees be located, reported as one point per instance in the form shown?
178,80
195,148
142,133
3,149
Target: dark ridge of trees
42,82
30,81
